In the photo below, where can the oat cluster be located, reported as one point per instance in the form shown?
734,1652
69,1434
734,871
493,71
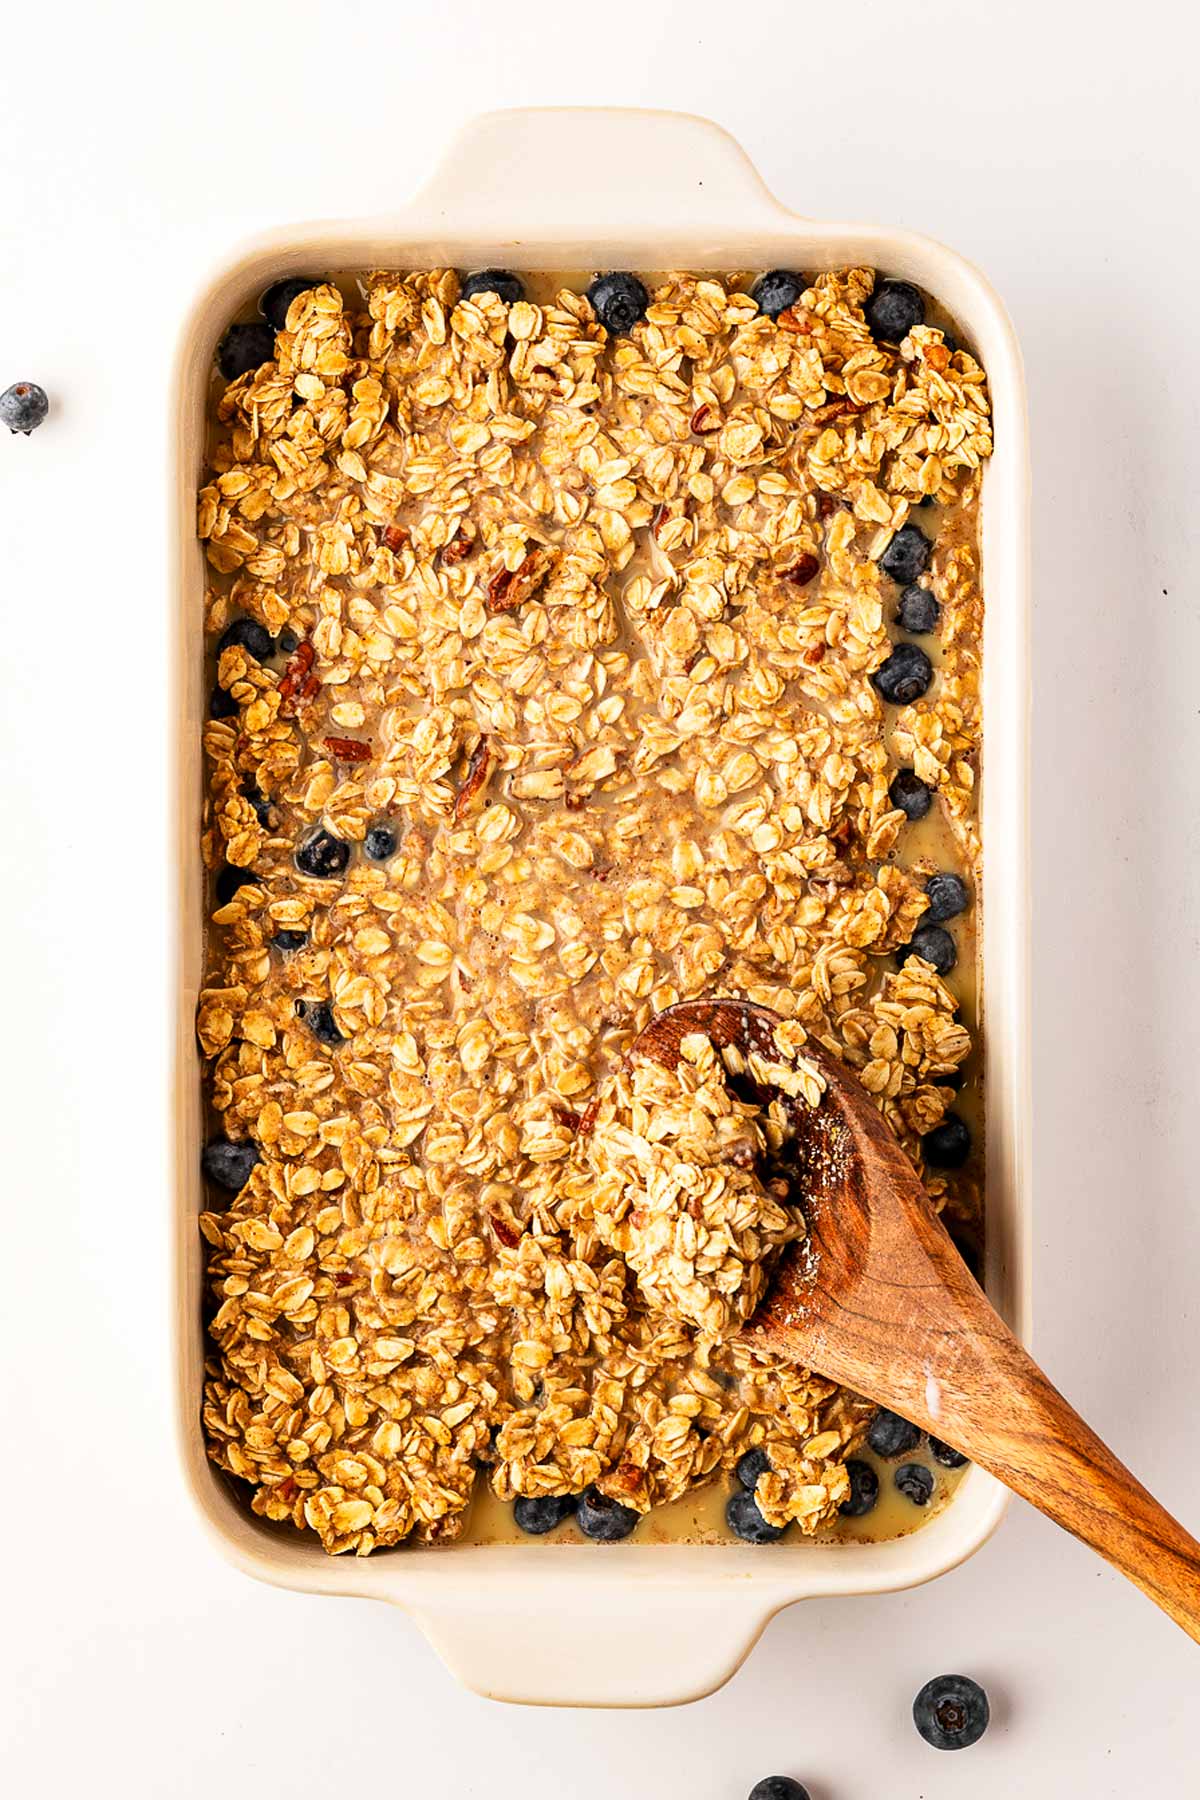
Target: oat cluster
589,623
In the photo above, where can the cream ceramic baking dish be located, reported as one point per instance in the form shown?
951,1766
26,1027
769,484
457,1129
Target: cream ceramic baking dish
626,1625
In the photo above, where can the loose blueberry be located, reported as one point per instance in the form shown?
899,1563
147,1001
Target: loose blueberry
889,1435
618,301
910,794
906,555
893,309
23,406
951,1712
915,1482
230,880
290,940
245,347
750,1466
905,675
228,1164
775,291
276,302
538,1516
604,1520
318,1016
918,611
864,1489
946,1454
380,843
259,801
252,637
323,856
222,705
948,895
744,1519
778,1787
948,1145
286,642
505,286
934,945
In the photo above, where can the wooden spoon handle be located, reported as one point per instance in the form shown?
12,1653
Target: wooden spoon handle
956,1370
1037,1445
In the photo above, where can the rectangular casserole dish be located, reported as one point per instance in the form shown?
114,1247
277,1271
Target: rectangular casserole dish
631,1624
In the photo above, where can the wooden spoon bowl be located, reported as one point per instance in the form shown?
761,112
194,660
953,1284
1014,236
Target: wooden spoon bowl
878,1299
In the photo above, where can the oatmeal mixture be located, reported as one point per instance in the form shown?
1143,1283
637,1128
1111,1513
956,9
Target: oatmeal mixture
556,682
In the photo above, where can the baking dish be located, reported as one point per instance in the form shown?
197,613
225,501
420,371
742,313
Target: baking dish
627,1625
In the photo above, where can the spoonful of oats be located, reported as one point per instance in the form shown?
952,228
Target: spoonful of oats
723,1115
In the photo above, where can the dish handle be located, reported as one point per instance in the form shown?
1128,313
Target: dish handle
622,170
572,1647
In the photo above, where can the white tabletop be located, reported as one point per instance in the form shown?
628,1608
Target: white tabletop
139,141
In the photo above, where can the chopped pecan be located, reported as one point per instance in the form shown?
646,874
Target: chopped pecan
567,1117
508,588
478,766
295,679
802,570
347,749
396,536
815,654
827,505
460,545
506,1232
287,1489
705,418
628,1477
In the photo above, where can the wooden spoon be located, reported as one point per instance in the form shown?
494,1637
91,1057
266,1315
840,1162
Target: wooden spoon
878,1299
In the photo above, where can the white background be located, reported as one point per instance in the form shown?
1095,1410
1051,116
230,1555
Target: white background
1053,144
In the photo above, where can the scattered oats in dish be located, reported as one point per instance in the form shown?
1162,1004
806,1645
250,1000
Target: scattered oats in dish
558,677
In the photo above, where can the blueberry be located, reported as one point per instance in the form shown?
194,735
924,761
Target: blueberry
778,1787
259,801
750,1466
889,1435
918,611
23,406
951,1712
905,675
539,1516
948,1145
286,642
910,794
318,1016
605,1520
290,940
323,855
222,705
946,1454
500,282
252,637
934,945
906,555
619,301
864,1489
948,895
274,304
228,1164
245,347
893,309
775,291
915,1482
230,880
744,1519
381,843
